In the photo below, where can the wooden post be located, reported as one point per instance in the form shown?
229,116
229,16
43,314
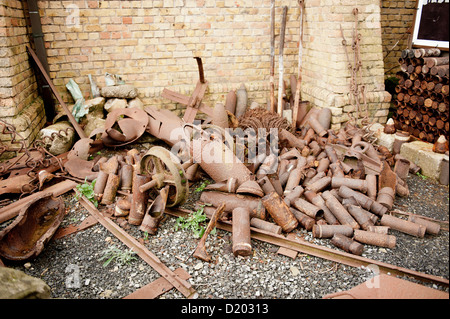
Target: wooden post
272,56
299,80
280,62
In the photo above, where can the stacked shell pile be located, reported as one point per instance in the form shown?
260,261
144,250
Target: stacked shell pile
422,106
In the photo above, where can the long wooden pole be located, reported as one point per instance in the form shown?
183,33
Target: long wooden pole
280,63
272,56
299,81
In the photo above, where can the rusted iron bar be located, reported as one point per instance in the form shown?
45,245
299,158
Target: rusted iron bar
180,284
72,120
200,252
323,252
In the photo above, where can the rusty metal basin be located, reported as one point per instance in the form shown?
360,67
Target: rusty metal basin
36,223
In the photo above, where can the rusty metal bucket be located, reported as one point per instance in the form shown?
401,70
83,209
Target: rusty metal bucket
36,223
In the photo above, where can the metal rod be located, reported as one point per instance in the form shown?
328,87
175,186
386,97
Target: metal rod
72,120
181,285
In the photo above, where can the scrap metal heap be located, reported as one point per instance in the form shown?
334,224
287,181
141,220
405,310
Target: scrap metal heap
337,185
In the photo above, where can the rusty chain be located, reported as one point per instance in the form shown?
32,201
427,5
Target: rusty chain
26,157
357,87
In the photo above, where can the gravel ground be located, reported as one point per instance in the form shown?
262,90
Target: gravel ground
266,274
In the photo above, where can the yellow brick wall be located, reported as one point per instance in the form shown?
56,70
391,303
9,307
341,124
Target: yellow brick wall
326,76
151,44
397,17
20,105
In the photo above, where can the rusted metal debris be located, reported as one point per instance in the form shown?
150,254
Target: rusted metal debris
306,247
36,223
176,281
131,124
336,184
388,287
421,99
200,251
194,102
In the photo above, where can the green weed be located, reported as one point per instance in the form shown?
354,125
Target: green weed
121,257
87,189
194,223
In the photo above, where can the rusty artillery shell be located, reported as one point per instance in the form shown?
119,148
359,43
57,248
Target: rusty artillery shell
358,184
317,200
444,175
413,168
331,153
292,195
317,127
314,179
376,239
303,219
401,137
266,185
320,185
230,101
100,184
339,210
401,168
324,163
404,226
265,225
294,179
126,177
337,170
280,212
242,244
155,212
347,244
378,229
386,197
402,188
328,231
361,216
233,201
122,207
138,200
209,211
363,200
109,194
96,167
307,208
431,227
371,186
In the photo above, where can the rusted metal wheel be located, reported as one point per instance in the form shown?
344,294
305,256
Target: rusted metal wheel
166,169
